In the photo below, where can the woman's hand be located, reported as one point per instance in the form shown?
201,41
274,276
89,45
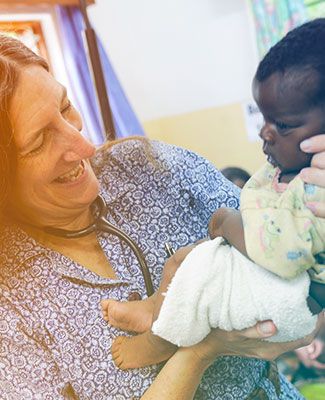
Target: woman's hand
182,373
248,343
316,173
313,355
308,354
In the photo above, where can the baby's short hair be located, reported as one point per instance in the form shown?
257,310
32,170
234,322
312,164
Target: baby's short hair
301,50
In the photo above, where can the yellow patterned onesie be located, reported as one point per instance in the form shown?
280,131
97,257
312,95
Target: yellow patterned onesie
281,233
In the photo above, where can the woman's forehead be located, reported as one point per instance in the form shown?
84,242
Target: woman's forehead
33,83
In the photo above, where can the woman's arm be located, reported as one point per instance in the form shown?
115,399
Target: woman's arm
179,378
181,375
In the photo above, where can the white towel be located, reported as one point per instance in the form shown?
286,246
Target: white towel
216,286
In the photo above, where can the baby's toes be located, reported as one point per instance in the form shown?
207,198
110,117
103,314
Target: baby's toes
104,304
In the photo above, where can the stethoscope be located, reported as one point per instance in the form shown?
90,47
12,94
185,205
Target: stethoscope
100,223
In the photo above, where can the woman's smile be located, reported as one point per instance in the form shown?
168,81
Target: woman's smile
73,175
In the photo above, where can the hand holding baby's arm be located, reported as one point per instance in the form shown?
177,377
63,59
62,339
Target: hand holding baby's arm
315,174
227,222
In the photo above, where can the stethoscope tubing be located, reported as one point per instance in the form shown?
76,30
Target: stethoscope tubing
101,224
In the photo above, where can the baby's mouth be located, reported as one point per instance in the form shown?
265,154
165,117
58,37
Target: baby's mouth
272,161
72,175
269,157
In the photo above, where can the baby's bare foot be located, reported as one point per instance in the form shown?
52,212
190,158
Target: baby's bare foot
140,351
133,316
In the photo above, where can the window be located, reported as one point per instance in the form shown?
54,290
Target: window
36,27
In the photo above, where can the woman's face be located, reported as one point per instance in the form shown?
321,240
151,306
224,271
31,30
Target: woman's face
54,181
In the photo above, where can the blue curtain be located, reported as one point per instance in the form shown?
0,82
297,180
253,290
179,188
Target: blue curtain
126,123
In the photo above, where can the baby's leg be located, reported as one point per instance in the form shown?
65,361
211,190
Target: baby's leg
137,316
170,269
133,316
140,351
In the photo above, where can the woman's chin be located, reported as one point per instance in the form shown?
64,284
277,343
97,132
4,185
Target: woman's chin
82,189
86,197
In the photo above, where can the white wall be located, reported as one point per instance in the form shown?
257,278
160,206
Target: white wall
176,56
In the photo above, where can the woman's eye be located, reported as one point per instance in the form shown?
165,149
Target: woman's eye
37,149
65,110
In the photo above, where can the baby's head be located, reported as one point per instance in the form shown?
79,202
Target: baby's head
289,88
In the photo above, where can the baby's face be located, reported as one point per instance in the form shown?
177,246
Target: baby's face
289,118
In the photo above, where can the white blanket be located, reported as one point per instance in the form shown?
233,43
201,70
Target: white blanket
216,286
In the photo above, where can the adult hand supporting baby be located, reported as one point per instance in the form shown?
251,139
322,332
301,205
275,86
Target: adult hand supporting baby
308,354
183,371
249,343
316,173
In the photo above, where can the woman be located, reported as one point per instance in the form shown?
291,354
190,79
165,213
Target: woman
54,342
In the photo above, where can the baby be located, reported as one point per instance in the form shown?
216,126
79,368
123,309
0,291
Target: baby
256,267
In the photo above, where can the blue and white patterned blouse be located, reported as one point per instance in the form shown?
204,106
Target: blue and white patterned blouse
54,342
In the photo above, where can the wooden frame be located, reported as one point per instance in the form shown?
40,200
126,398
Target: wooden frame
10,3
21,27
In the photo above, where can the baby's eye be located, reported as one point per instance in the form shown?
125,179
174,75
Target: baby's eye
282,127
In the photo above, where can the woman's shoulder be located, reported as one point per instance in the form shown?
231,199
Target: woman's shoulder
141,160
146,153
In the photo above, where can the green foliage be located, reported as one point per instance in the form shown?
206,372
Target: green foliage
313,391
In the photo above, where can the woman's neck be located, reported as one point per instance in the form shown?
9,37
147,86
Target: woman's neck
74,223
61,244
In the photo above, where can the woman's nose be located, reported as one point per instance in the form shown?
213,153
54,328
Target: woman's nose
267,134
79,148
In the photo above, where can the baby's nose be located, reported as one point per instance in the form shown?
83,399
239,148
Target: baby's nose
267,133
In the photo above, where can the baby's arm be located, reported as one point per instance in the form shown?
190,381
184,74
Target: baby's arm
228,223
